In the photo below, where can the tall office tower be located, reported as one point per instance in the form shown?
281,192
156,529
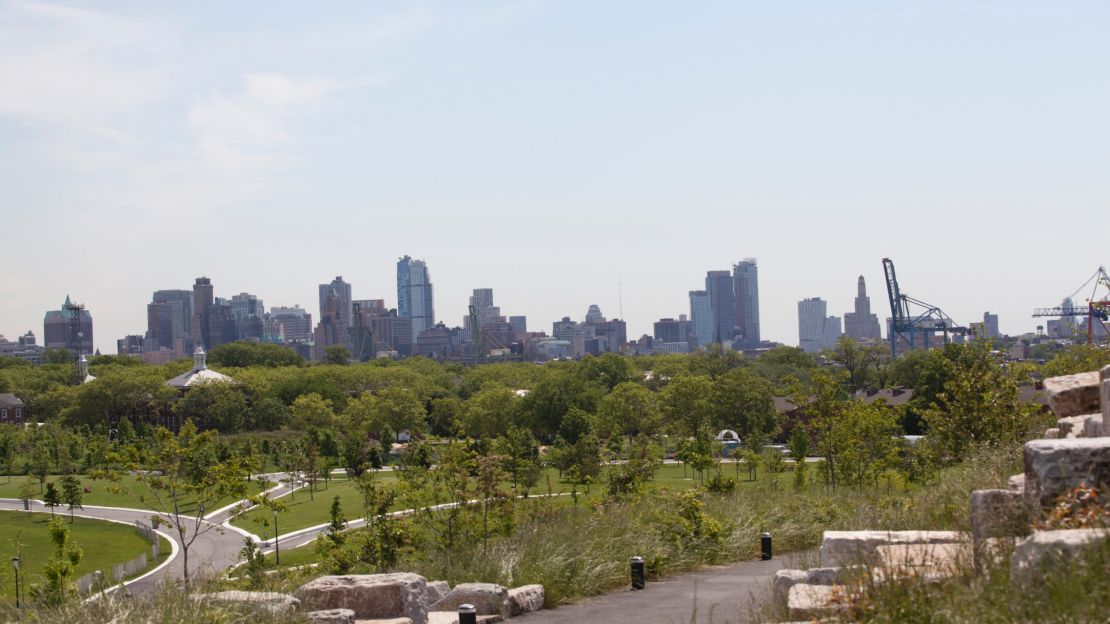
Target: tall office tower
222,326
202,305
414,294
816,331
990,326
811,324
701,315
719,286
169,322
593,314
565,329
609,335
334,326
341,291
289,324
482,300
69,328
671,330
745,277
245,305
862,324
831,332
520,324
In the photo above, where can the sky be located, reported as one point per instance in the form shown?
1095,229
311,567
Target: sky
563,153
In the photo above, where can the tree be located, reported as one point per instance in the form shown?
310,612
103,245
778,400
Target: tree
27,492
9,440
630,409
72,494
522,457
62,564
490,412
337,354
312,410
184,468
380,542
799,450
863,442
715,360
608,370
52,498
687,404
215,404
242,354
861,362
551,398
828,404
744,401
40,460
978,404
1077,359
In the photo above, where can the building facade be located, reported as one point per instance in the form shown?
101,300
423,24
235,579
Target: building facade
816,330
861,324
701,315
69,328
745,286
414,294
723,301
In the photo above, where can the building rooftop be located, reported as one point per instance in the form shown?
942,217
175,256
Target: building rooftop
199,374
8,399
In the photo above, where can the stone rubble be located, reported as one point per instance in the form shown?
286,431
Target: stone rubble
1076,452
487,598
369,595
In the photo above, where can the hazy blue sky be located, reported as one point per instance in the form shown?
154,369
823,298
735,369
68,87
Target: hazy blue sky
545,148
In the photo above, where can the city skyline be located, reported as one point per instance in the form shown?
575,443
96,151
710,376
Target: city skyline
519,147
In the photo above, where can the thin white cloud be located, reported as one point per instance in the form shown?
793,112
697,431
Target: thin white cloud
61,64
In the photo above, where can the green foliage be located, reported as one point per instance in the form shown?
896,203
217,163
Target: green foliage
242,354
217,404
312,410
1077,359
490,411
630,409
52,498
687,404
978,402
72,494
744,402
59,569
254,563
337,354
862,443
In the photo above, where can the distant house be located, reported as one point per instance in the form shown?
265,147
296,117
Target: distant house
12,409
891,397
200,373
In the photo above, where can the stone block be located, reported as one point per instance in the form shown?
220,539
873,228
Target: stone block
845,548
785,579
1104,402
273,602
369,595
1055,467
525,599
331,616
1016,483
1092,426
1073,395
816,601
1044,547
934,559
435,591
452,617
487,598
1052,434
386,621
998,513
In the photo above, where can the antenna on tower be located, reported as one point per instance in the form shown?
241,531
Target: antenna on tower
620,297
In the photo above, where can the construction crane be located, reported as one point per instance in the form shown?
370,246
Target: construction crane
910,317
1098,306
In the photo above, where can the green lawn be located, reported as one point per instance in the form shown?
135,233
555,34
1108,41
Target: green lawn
104,544
305,510
127,492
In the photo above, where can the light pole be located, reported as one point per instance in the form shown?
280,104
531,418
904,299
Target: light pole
277,544
15,565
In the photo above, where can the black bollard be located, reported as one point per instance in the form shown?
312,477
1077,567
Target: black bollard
468,614
765,546
637,572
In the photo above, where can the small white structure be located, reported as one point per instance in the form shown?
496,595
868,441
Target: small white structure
199,374
83,371
728,435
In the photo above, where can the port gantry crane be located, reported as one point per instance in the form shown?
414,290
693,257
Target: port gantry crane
1098,307
910,317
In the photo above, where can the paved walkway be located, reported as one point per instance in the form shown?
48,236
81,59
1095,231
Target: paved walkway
720,595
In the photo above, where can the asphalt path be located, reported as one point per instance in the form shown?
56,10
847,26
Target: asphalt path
720,595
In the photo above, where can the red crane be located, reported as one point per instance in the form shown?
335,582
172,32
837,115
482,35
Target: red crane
1098,305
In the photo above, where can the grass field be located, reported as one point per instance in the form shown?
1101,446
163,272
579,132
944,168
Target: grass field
104,544
127,492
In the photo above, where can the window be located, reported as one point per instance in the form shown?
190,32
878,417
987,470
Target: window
18,413
4,414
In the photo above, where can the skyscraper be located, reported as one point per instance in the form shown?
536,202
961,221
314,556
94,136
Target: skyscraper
816,330
341,291
414,294
203,299
169,322
745,275
719,286
862,324
701,315
68,328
